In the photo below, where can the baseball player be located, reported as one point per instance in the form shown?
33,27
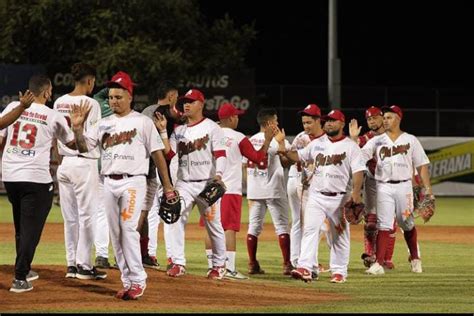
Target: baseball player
299,178
25,170
78,180
374,117
127,139
237,147
200,146
266,189
101,231
396,154
336,159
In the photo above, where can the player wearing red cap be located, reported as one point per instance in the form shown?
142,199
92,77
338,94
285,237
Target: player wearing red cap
237,147
374,117
397,154
126,140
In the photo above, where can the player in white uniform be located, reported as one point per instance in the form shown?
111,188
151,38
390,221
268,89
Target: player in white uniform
78,179
200,146
336,158
266,189
25,172
396,153
237,147
299,178
127,139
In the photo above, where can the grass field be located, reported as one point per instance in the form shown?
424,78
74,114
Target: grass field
445,286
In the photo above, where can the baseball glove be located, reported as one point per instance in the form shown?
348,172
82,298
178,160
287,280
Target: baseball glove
170,207
353,212
426,208
213,191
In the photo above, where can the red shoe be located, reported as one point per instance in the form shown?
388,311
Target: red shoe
176,270
254,268
216,273
302,274
134,292
337,278
120,294
287,268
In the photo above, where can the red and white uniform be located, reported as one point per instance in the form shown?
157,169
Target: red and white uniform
393,173
78,178
266,189
370,187
334,163
298,195
27,150
201,155
126,144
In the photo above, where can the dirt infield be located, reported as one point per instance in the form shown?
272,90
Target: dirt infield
449,234
54,293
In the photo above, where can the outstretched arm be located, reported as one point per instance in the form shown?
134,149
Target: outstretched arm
25,101
78,116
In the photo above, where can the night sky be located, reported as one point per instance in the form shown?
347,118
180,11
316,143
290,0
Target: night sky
394,43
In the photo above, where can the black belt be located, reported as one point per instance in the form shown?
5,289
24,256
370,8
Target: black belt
398,181
196,180
119,176
332,193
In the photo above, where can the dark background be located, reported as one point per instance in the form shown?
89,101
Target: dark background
395,43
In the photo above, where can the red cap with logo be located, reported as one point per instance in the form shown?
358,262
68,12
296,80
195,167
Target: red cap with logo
394,109
192,95
123,80
335,115
373,111
227,110
311,109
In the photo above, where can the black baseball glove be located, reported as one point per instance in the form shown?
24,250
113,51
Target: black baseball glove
213,191
353,212
170,207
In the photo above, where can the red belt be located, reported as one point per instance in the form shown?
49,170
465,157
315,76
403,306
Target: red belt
332,193
119,176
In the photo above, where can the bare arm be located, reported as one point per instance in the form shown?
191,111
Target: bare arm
354,130
78,116
160,163
425,178
160,123
290,155
357,180
25,102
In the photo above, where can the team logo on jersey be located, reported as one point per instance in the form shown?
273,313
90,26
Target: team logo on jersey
189,147
117,139
392,151
323,160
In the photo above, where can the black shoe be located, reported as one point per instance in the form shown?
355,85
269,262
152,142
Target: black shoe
71,272
92,274
102,262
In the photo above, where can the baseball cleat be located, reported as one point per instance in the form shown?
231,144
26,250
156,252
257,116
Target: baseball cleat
120,294
176,270
217,273
254,268
416,266
20,286
337,278
134,292
375,269
150,262
71,272
31,276
92,274
287,268
102,262
235,275
302,274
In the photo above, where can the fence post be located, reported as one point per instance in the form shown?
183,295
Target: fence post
438,123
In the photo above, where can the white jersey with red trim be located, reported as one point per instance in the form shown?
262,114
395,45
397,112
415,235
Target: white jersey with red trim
125,142
197,145
299,142
266,179
334,163
63,105
395,159
233,173
26,156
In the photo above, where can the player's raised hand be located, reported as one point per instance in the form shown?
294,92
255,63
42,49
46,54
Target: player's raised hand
354,129
26,99
160,121
79,113
279,134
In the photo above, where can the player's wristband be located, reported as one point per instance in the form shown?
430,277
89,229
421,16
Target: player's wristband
164,134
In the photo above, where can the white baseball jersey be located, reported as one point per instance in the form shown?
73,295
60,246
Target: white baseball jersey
237,146
395,160
63,105
197,145
299,142
334,163
125,142
28,144
266,179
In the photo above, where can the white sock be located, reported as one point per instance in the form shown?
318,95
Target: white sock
230,260
209,258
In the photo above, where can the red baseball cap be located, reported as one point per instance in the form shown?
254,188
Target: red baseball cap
373,111
394,109
227,110
123,80
335,115
192,95
311,109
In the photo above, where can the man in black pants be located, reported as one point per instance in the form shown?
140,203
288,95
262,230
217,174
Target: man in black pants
26,173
